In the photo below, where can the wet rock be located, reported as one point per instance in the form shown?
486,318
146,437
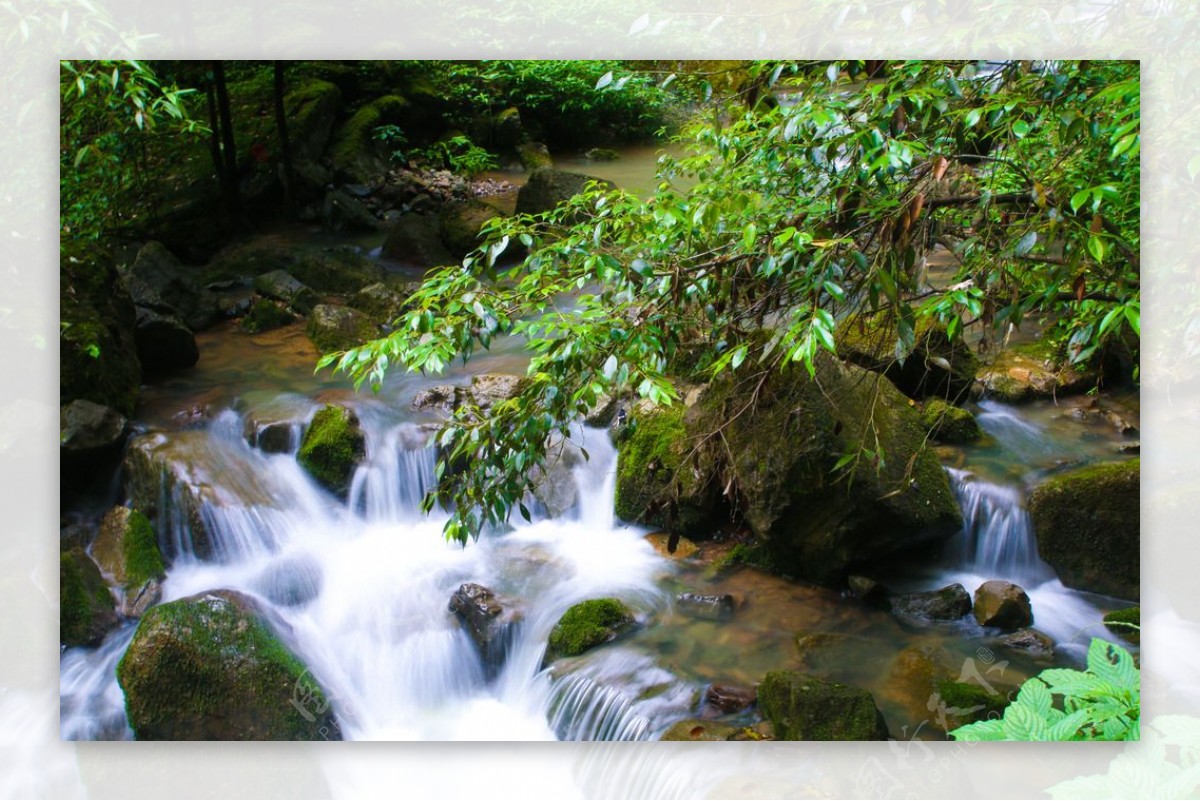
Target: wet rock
86,611
158,280
164,343
279,436
507,130
729,698
265,315
356,154
534,156
491,622
88,431
1125,623
947,423
662,541
1088,524
869,591
293,581
547,187
694,730
1129,448
1031,641
587,625
159,484
332,448
442,398
282,286
1003,605
709,607
380,303
604,412
343,211
337,328
460,223
126,548
75,535
210,667
98,359
674,474
948,603
416,240
937,366
601,154
491,388
554,486
802,707
1032,370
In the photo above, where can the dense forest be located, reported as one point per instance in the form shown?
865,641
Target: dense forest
717,399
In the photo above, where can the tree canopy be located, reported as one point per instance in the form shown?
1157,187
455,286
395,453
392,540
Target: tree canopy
819,201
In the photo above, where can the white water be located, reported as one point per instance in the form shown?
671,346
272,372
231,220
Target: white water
361,592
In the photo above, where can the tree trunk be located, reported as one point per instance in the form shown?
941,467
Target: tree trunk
227,143
284,147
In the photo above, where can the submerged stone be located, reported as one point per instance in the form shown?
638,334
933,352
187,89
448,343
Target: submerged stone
803,707
711,607
694,730
948,603
729,698
1031,641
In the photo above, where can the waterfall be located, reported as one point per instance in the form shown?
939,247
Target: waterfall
998,535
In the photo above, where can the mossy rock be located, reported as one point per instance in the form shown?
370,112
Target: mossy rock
937,366
534,156
460,222
1088,525
265,315
127,548
507,130
332,448
355,153
159,481
86,611
415,240
1032,370
341,270
962,702
209,667
98,358
1122,621
547,187
337,328
380,303
947,423
778,461
587,625
803,707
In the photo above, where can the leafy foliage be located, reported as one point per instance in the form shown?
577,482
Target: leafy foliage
1100,703
458,154
798,213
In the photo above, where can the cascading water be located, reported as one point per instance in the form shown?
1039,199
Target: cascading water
362,590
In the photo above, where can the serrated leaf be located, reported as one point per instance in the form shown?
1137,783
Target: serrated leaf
1022,723
982,731
1034,695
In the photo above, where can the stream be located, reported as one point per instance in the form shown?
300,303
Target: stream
363,585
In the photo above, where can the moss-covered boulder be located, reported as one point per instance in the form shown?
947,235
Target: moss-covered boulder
460,222
126,548
357,155
265,315
959,703
338,328
772,469
86,611
209,667
1033,370
947,423
332,448
1003,605
98,358
312,107
1088,527
1126,624
415,240
507,131
89,437
803,707
158,280
936,367
379,302
587,625
547,187
339,269
282,286
534,156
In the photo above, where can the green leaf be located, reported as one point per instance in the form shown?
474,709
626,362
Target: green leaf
525,513
605,80
1135,319
1025,243
1095,246
1023,723
1020,129
749,234
738,357
1079,198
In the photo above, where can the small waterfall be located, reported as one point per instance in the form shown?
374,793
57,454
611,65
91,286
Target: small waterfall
585,710
91,704
398,472
998,535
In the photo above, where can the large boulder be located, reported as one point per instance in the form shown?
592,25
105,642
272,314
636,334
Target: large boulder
339,269
98,358
86,611
491,622
339,328
164,342
1032,370
1088,527
89,435
332,448
312,107
547,187
507,131
803,707
948,603
773,469
126,548
947,423
357,154
282,286
416,240
587,625
379,302
266,315
937,366
209,667
460,222
1003,605
159,281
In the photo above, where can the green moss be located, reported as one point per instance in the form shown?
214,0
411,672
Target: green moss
265,315
949,423
332,447
143,561
802,707
649,456
208,667
1121,622
586,625
86,607
754,554
936,367
337,269
354,140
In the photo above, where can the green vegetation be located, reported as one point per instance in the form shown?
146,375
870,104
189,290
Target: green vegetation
1125,623
143,561
1102,702
948,423
800,212
332,447
803,707
586,625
